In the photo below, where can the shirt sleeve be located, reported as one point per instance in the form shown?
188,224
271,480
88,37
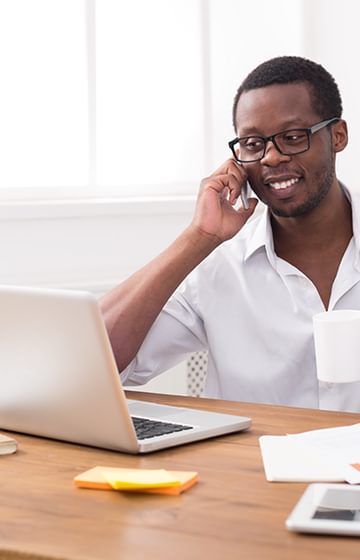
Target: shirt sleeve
177,332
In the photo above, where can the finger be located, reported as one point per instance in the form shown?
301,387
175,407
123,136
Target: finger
227,187
237,179
224,194
244,199
221,183
252,203
230,166
235,186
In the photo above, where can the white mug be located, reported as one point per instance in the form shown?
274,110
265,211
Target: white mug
337,345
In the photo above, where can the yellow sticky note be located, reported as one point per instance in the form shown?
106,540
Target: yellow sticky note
120,479
97,478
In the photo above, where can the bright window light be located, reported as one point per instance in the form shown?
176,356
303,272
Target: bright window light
43,108
149,93
120,98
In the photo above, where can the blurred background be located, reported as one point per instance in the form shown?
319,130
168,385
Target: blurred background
112,111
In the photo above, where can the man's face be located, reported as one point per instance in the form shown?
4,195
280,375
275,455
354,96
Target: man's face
290,185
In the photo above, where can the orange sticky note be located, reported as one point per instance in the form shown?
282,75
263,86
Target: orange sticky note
150,481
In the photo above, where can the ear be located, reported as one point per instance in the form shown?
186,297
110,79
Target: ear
339,135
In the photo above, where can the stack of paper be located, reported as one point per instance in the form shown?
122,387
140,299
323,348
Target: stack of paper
319,455
7,445
150,481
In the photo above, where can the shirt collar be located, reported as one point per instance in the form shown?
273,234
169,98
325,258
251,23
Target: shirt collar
263,237
354,199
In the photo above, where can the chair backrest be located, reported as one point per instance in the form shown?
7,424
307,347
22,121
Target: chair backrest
196,368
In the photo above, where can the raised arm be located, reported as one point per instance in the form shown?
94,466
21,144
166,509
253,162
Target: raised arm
131,308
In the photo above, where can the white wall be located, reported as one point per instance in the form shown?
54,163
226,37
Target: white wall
90,244
85,248
96,244
332,38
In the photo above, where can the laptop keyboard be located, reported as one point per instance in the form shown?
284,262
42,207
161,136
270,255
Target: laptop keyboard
146,428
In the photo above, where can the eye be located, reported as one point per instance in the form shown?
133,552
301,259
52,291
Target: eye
293,137
252,143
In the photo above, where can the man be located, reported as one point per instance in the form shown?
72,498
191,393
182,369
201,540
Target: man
246,291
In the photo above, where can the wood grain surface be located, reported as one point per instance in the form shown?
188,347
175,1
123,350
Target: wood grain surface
233,512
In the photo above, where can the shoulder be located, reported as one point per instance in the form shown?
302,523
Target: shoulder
224,269
354,197
233,252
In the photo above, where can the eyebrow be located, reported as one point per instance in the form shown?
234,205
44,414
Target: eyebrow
288,125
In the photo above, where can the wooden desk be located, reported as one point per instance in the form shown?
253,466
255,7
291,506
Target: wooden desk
231,513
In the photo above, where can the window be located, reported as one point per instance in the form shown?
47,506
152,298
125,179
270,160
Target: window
124,98
43,132
100,95
149,93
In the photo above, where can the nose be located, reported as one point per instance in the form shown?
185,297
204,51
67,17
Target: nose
272,156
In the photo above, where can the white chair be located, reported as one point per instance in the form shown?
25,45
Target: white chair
196,368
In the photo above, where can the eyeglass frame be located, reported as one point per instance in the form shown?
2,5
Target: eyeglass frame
309,132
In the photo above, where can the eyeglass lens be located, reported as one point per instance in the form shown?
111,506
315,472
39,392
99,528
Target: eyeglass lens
289,142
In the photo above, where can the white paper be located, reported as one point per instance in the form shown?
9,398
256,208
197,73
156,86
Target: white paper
315,456
337,345
352,475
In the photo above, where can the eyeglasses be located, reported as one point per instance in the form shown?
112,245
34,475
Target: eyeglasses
288,142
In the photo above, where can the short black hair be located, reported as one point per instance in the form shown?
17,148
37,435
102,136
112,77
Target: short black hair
288,69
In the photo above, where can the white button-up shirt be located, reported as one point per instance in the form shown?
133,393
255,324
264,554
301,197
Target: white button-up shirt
252,311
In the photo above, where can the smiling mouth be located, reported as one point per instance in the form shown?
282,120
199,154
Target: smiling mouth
277,185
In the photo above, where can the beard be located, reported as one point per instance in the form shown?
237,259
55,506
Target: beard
325,180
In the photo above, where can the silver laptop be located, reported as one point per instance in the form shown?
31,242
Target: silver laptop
58,379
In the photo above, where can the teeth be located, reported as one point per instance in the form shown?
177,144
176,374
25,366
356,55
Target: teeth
283,184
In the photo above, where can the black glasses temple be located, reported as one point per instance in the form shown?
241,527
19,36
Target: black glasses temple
323,124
